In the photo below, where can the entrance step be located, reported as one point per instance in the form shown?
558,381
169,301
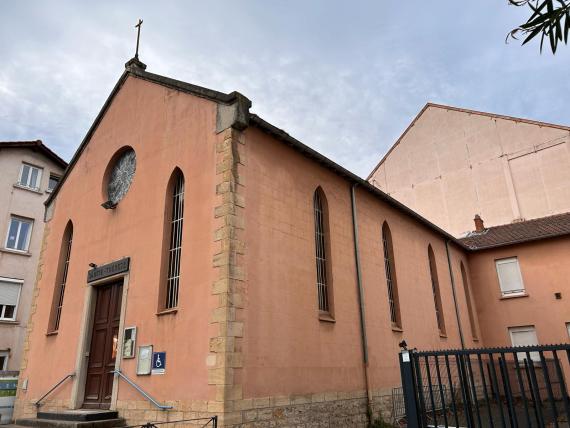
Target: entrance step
74,419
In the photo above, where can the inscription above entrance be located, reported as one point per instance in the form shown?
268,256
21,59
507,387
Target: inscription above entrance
109,269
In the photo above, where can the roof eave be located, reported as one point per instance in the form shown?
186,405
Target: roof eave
285,137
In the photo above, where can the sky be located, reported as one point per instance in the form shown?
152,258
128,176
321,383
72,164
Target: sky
344,77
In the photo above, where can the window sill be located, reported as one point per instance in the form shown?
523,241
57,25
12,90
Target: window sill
18,252
512,296
326,318
443,335
52,333
9,322
29,189
172,311
397,329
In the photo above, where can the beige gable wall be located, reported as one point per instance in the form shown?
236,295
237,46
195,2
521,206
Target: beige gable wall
452,164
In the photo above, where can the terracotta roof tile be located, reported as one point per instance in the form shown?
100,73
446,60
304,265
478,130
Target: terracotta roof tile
515,233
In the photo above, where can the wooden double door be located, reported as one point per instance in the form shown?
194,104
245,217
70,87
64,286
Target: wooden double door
104,346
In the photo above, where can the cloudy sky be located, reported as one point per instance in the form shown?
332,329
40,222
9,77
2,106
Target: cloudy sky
344,77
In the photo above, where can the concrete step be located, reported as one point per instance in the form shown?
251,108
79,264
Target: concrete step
79,415
60,423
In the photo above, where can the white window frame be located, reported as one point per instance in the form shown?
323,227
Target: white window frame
7,355
28,238
39,179
568,329
15,281
507,293
534,356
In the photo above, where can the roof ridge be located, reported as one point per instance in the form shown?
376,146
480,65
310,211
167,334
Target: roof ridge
546,227
32,144
537,219
461,110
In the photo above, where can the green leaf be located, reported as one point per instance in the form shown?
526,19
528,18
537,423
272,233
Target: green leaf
558,29
542,18
531,35
553,40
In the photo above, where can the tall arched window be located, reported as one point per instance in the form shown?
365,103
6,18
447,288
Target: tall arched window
435,290
391,281
61,278
468,300
322,251
172,244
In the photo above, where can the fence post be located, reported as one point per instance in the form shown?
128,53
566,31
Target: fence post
409,389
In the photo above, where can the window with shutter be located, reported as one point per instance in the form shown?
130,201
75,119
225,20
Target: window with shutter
524,336
4,356
510,278
9,296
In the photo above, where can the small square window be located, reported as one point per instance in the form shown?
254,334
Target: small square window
30,176
510,278
19,233
53,181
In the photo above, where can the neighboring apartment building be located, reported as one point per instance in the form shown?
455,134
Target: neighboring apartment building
453,163
519,276
29,173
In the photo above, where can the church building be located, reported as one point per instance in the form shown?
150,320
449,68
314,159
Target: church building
199,261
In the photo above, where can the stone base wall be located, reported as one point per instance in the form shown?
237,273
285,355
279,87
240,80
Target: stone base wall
329,409
27,408
141,412
341,409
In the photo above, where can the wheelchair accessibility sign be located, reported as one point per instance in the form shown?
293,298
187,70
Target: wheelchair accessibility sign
158,362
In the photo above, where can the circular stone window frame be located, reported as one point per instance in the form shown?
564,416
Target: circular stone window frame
107,175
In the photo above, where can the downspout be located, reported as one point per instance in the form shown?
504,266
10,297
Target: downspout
454,294
361,302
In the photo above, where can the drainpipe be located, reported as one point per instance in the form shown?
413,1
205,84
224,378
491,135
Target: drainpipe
454,294
361,301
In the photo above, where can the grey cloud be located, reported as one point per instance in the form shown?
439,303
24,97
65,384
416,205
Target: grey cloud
344,77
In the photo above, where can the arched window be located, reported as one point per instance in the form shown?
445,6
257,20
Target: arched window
435,290
172,244
469,304
61,278
391,281
322,251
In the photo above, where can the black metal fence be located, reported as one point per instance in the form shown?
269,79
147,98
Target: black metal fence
490,387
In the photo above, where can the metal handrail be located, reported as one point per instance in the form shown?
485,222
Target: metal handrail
70,375
140,390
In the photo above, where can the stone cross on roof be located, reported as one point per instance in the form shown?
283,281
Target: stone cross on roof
134,62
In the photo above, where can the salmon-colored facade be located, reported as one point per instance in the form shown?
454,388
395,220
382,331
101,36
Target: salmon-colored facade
545,270
246,340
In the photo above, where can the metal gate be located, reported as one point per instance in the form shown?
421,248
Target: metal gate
488,387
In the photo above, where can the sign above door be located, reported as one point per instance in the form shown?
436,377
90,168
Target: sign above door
110,269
